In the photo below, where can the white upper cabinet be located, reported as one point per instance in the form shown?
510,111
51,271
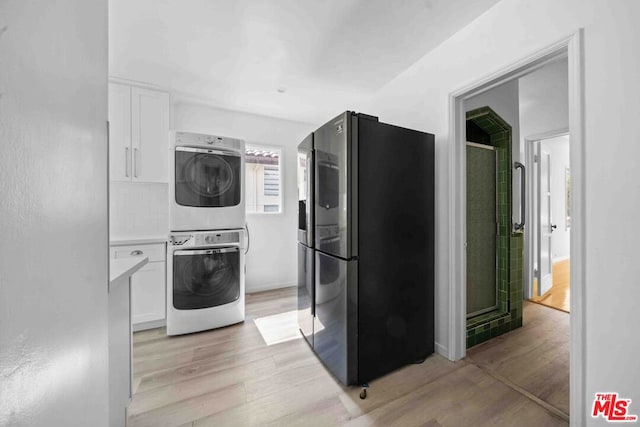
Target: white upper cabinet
150,135
139,134
119,132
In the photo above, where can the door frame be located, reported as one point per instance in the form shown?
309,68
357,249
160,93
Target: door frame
529,153
570,47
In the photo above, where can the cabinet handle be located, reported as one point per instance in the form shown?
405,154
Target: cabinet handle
135,162
126,161
137,252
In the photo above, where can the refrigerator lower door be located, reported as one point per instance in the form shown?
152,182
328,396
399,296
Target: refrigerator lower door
306,277
335,327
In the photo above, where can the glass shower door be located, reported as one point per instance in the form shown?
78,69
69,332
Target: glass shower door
481,229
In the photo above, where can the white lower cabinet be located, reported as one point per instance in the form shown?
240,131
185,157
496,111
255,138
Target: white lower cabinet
147,294
148,285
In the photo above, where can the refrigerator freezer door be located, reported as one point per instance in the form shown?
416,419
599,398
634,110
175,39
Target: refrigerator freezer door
306,210
332,169
306,277
395,255
335,327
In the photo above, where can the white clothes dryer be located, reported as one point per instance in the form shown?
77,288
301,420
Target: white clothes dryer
205,280
207,182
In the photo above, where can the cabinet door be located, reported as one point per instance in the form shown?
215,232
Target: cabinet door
119,132
150,135
148,293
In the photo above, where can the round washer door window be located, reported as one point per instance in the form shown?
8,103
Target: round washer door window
208,175
205,278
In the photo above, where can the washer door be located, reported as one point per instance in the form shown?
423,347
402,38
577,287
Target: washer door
207,178
205,278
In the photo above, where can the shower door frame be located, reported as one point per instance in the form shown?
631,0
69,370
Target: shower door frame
495,255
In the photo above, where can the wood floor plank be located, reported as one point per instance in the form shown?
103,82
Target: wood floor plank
286,377
323,413
190,386
466,396
534,357
196,368
399,383
559,296
276,405
142,366
188,410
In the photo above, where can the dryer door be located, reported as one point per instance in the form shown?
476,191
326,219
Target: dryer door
207,177
205,278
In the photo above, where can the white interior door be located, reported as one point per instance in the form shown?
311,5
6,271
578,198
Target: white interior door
545,272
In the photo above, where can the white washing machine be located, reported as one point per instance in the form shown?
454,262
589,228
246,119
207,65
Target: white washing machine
207,182
205,280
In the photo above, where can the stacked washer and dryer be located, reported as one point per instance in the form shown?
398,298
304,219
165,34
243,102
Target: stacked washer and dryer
205,254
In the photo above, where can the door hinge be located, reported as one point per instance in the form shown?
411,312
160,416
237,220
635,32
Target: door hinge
535,158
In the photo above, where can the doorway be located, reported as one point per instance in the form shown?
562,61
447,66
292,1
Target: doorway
570,48
549,260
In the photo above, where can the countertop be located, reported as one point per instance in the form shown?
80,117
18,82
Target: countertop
123,268
145,240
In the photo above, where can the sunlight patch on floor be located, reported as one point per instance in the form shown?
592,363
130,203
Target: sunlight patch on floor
279,327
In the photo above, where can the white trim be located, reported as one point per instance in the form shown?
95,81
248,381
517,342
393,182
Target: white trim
529,214
441,350
577,392
547,135
268,287
138,83
572,48
152,324
457,231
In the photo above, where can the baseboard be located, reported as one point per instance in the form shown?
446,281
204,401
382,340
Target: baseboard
149,325
560,259
442,350
268,287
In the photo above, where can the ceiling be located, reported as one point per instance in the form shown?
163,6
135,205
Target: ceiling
302,60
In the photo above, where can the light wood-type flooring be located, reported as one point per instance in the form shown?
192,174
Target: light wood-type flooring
231,377
559,296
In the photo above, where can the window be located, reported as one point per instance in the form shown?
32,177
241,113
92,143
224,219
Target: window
263,191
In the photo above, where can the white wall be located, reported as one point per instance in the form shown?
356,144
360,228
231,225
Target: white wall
138,210
505,101
544,100
508,32
53,214
558,148
272,258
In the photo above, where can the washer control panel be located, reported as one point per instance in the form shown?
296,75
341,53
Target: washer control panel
180,239
206,238
216,238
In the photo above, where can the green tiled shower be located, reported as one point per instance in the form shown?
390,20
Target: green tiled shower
489,180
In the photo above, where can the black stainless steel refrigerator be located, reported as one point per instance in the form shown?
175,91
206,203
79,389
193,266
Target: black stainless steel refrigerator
366,246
